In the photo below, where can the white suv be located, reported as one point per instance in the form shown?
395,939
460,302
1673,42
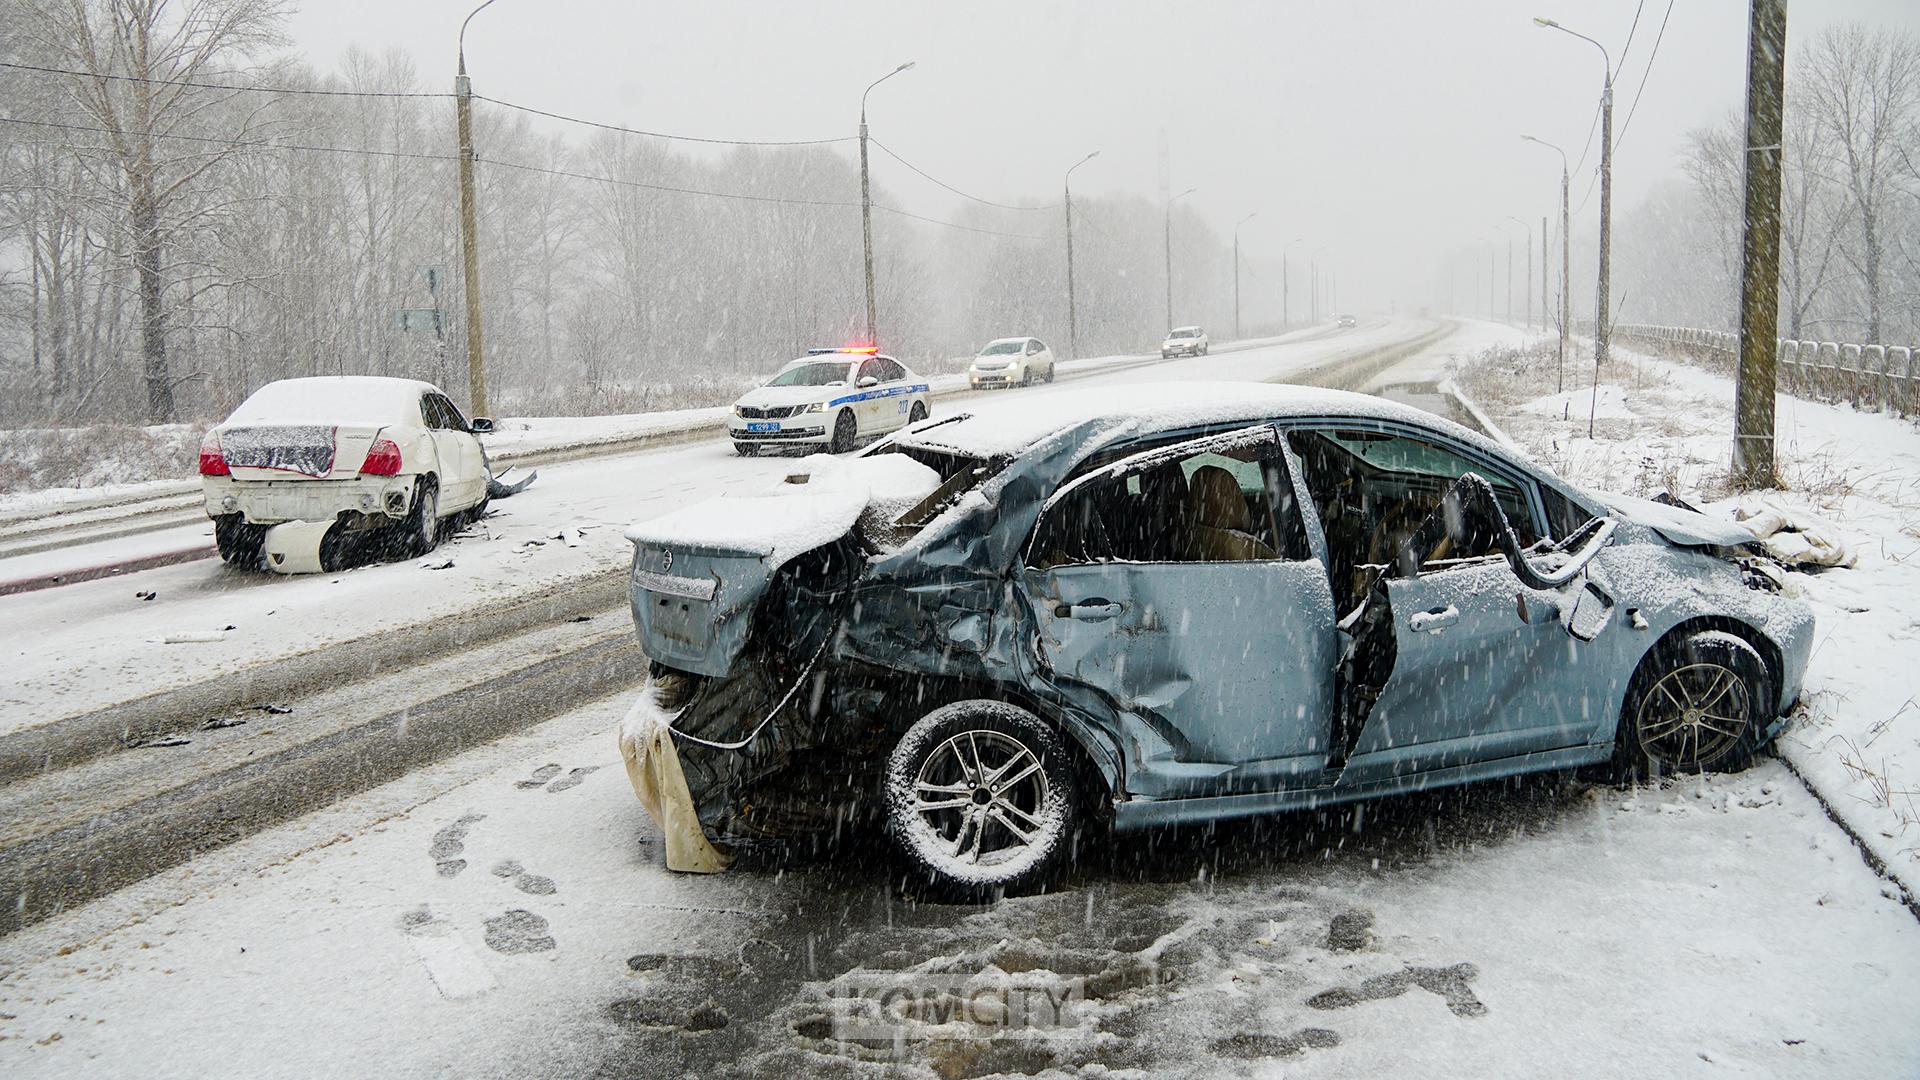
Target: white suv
1184,341
830,397
1011,360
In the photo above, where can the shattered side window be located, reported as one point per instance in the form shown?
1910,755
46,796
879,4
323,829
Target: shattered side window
958,475
1216,505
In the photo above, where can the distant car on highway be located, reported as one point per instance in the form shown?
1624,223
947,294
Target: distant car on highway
1348,320
1184,341
368,452
830,398
1010,361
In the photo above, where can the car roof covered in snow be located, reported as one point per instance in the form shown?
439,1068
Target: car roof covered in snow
1144,409
373,400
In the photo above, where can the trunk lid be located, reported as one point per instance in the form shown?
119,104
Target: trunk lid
296,451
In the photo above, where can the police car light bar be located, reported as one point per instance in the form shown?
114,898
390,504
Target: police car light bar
862,350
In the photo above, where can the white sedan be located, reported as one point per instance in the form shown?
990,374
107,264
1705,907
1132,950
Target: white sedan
1009,361
363,451
832,398
1184,341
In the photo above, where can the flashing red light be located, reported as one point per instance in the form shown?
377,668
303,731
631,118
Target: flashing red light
212,461
383,459
866,350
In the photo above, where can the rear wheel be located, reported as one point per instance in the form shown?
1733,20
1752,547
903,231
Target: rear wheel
240,542
1050,368
421,527
917,413
1696,705
845,430
980,798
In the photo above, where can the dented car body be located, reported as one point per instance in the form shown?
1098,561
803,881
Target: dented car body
1175,604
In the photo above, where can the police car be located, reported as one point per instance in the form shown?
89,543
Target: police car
830,398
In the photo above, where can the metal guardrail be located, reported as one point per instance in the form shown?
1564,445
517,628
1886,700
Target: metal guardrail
1877,377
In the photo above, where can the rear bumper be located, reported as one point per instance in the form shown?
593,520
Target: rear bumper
270,502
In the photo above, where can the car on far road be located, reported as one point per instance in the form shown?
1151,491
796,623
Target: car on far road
1348,320
1011,361
1184,341
831,398
366,452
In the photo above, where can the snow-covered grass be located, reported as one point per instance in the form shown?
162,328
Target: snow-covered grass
1665,426
34,460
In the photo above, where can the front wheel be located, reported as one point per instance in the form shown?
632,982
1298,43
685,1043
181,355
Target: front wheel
1695,705
745,449
845,430
980,799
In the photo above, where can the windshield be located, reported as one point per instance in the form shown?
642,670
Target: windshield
823,373
1003,348
1186,332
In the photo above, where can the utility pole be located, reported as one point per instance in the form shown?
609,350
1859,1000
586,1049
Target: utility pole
1236,272
469,243
1493,306
1170,203
1510,276
1286,302
1545,296
1753,464
1566,261
866,204
1529,280
1602,322
1073,321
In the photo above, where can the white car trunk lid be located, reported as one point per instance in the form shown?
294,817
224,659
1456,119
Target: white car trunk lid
296,451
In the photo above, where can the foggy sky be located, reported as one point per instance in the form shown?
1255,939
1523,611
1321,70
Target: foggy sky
1387,132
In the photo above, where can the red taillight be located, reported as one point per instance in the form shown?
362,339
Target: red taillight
212,462
383,459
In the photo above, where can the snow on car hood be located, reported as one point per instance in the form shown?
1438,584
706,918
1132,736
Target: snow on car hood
1687,528
816,502
792,395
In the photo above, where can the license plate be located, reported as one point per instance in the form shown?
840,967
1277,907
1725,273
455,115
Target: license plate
763,427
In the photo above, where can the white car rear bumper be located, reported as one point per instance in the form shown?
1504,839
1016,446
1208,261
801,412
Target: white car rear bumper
270,502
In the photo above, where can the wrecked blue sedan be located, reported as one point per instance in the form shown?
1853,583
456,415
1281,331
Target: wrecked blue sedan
1175,604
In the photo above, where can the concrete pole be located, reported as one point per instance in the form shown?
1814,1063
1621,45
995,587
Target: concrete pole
1236,271
1753,462
469,241
1169,249
866,205
1073,321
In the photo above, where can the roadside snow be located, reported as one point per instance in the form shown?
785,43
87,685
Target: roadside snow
1667,426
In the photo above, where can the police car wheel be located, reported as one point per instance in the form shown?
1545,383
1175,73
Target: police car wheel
745,449
917,413
845,430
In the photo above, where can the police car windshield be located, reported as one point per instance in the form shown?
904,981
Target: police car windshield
820,373
1002,348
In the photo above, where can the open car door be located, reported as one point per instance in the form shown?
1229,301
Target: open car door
1177,584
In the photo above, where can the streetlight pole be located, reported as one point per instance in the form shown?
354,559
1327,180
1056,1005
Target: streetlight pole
469,242
1566,261
1073,322
1313,285
1602,322
1170,203
1236,271
1286,303
1529,228
866,204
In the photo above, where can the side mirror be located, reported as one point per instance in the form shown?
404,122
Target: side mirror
866,381
480,425
1592,611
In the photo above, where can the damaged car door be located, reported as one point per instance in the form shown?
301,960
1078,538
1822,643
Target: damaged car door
1177,583
1449,673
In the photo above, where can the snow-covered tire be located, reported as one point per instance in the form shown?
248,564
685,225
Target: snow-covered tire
980,799
917,413
420,529
746,449
1697,704
241,543
1050,368
845,430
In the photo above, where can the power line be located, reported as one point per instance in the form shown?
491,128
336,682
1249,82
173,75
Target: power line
276,144
1628,47
660,134
224,86
975,198
1651,57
